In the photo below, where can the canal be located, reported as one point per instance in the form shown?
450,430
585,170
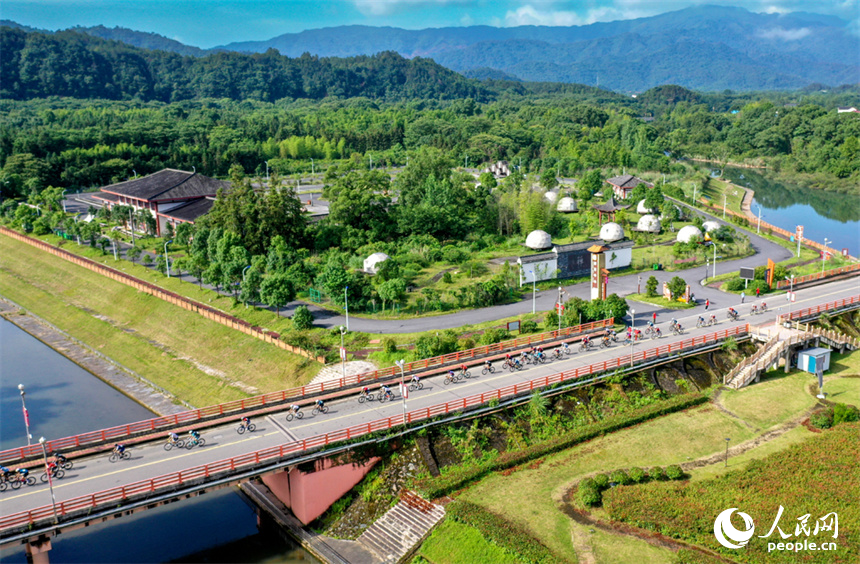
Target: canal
823,214
63,399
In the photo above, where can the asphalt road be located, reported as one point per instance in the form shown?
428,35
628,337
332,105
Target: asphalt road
96,473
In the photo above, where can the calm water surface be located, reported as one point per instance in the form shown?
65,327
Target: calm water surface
63,399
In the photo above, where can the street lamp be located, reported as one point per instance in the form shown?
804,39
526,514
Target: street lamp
267,171
790,294
402,387
558,308
632,333
534,289
346,305
639,282
725,198
167,258
50,481
342,352
727,451
131,221
312,167
64,200
26,414
824,252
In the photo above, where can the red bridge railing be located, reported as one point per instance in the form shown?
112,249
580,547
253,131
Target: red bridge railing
273,398
221,467
782,284
818,309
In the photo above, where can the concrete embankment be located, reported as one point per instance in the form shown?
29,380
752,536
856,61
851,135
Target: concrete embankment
126,381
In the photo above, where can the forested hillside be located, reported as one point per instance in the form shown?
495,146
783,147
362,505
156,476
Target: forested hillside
38,65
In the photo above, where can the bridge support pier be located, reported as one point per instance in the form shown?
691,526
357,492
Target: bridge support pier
309,493
37,550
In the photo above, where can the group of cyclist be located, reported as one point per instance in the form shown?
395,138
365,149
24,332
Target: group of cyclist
22,475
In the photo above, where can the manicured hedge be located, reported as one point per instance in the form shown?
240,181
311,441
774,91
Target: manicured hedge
501,532
455,478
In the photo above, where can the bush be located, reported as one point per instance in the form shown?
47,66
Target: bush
620,477
844,413
601,481
674,472
822,419
492,336
550,322
446,278
651,287
637,475
735,285
588,493
389,345
528,327
467,344
657,473
302,318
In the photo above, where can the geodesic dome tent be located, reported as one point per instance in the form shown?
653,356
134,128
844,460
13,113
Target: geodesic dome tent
641,208
551,196
567,205
611,232
689,233
709,226
538,239
371,263
649,223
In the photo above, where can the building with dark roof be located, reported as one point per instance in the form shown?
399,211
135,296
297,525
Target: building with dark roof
623,185
171,196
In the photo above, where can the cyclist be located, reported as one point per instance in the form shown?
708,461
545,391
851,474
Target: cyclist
415,379
119,448
674,322
246,421
320,404
5,471
678,328
172,438
701,321
365,391
517,363
294,409
523,356
629,332
606,340
194,434
611,333
22,474
586,341
488,365
59,458
386,391
764,306
451,376
637,334
754,309
713,318
463,370
658,332
732,312
566,347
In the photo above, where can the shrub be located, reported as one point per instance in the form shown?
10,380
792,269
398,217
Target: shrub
491,336
550,322
620,477
735,285
528,327
637,475
844,413
657,473
302,318
446,278
389,345
601,481
651,287
822,419
674,472
466,344
588,492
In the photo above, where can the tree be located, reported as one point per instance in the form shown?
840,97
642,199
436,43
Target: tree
548,179
651,286
678,286
161,263
653,198
302,318
590,183
615,306
357,200
277,290
392,291
249,290
670,212
183,233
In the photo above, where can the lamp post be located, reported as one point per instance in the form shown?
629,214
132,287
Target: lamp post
244,271
534,289
167,258
267,171
402,387
131,221
790,294
312,167
727,451
639,282
26,414
632,333
824,253
758,227
64,201
346,305
50,481
342,352
725,199
559,309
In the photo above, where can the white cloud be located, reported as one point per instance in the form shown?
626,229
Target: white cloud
785,34
386,7
529,15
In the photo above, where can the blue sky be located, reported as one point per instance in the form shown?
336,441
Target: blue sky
207,23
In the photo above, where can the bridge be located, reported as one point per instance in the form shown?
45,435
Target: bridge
297,459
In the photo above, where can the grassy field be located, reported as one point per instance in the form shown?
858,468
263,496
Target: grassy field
530,496
454,543
200,361
718,191
660,301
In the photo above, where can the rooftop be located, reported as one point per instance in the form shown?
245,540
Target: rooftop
610,205
192,210
168,184
628,181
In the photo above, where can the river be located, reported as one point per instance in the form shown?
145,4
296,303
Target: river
822,214
60,395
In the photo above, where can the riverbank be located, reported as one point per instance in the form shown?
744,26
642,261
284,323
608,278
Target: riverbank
109,371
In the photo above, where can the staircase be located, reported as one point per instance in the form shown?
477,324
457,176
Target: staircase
397,533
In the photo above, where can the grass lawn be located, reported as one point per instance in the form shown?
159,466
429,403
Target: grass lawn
660,301
619,549
457,543
200,361
715,190
771,401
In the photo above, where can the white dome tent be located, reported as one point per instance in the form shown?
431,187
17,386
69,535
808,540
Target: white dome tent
371,263
641,208
649,223
709,226
689,233
551,196
611,232
538,240
567,205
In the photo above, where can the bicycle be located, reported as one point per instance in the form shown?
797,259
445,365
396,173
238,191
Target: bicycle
585,345
649,332
733,316
511,365
701,323
114,456
178,443
66,464
449,379
567,349
250,427
20,481
677,330
605,343
363,397
297,415
56,472
763,308
317,410
465,374
488,369
416,386
383,396
195,442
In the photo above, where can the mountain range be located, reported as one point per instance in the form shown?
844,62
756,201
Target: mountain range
706,48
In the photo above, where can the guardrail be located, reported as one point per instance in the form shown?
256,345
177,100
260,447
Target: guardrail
152,485
806,312
817,276
273,398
